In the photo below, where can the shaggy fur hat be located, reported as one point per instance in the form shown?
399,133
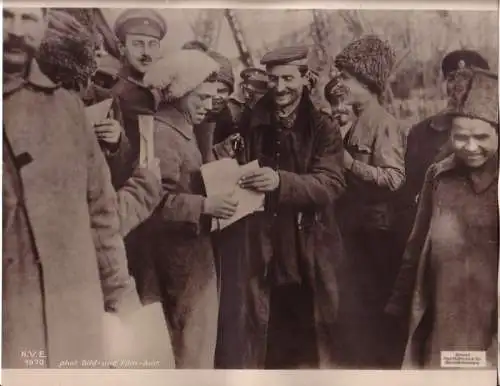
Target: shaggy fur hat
474,94
225,73
181,72
370,59
67,52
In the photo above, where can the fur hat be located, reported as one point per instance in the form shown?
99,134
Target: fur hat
195,45
474,94
370,59
67,52
181,72
225,73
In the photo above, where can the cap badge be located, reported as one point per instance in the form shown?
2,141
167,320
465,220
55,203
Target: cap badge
461,64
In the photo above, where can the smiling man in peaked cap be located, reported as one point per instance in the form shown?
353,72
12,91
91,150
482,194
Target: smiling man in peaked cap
300,156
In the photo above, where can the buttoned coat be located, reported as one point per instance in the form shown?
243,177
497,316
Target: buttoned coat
311,191
183,255
72,211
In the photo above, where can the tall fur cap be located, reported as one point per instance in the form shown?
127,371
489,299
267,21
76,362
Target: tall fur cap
474,94
370,59
181,72
67,51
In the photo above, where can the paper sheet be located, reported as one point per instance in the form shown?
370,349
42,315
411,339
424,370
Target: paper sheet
146,131
98,112
221,177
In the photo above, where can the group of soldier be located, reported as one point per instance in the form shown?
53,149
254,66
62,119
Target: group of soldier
375,249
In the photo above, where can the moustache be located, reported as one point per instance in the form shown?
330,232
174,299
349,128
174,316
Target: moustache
145,59
281,93
15,43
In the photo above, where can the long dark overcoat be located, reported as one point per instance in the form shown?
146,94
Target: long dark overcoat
311,190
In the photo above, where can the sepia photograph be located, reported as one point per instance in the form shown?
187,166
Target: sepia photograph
250,189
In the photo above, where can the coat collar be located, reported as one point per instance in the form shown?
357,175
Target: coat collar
480,179
263,112
368,112
174,118
127,75
35,78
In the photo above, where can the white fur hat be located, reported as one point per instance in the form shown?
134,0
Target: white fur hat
181,72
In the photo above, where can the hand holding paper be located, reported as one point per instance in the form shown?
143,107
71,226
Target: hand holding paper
146,130
98,112
261,180
221,178
108,131
221,205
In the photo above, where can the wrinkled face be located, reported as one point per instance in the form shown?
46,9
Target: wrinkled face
23,31
220,99
356,92
141,51
286,84
474,141
198,103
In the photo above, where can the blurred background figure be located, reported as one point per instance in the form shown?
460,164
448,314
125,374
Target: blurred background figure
341,112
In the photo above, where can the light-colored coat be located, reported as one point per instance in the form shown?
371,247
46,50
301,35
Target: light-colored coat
72,209
183,246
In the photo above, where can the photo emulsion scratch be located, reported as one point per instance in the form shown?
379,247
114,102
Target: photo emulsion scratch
250,189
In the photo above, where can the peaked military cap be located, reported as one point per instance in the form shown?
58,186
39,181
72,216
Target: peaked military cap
460,59
142,22
286,55
256,77
254,73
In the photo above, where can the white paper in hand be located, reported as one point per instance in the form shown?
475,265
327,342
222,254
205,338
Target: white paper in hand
146,131
98,112
222,177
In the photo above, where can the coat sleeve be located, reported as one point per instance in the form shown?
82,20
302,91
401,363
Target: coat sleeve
118,286
179,209
325,182
137,199
401,298
118,158
389,152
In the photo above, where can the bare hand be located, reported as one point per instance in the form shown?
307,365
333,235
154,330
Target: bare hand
262,180
221,206
108,131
